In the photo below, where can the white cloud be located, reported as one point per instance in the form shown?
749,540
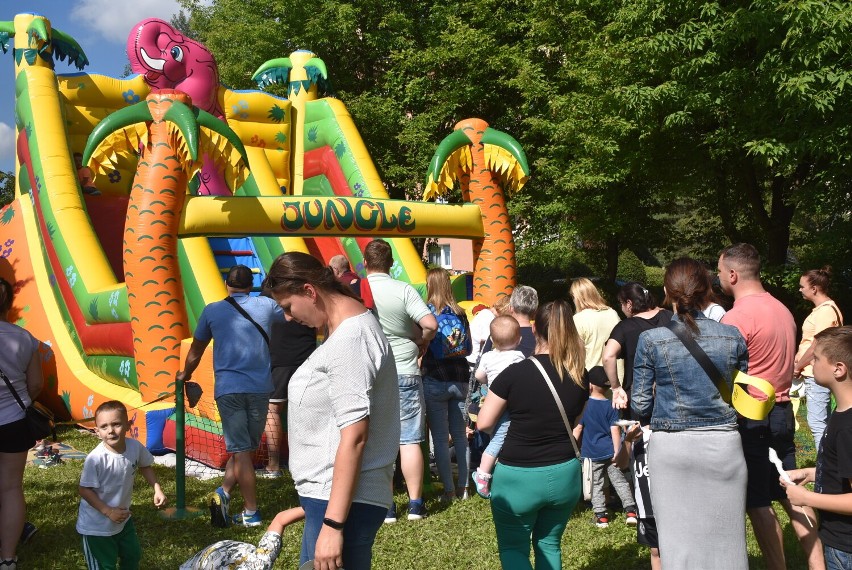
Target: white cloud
113,20
7,147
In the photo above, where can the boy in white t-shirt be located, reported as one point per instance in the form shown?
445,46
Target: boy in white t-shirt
505,336
106,487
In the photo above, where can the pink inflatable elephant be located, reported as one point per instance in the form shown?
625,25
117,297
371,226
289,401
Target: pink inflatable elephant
169,60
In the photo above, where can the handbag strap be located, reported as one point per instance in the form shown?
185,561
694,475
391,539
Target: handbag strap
558,404
839,316
471,383
704,361
12,390
243,312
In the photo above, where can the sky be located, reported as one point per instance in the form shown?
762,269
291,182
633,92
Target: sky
100,27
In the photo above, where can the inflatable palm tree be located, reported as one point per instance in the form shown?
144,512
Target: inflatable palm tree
169,140
488,164
43,42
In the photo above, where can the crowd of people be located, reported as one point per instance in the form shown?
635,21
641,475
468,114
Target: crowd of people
642,403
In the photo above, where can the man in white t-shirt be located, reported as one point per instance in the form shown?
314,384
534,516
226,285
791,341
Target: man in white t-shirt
409,325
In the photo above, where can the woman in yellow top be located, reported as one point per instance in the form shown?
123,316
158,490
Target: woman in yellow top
814,286
594,320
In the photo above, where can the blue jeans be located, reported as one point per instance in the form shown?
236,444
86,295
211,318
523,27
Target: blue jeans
359,533
243,419
411,420
501,428
446,416
837,559
819,408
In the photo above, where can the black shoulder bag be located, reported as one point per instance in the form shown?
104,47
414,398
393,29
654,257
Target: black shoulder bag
39,418
243,312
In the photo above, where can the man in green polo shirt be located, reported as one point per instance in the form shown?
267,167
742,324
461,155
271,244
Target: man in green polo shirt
409,325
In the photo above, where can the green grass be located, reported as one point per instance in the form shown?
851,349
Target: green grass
458,536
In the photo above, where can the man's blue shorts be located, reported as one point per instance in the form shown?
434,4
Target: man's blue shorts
243,419
411,405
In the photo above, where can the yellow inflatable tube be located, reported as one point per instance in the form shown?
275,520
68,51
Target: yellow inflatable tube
205,269
94,389
268,185
406,255
337,216
61,178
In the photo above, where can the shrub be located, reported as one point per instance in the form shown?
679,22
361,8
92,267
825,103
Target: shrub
654,276
630,268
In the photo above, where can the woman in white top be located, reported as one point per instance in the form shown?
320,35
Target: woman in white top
20,364
341,452
814,286
593,318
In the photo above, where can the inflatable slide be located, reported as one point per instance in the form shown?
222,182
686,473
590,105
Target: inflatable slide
134,195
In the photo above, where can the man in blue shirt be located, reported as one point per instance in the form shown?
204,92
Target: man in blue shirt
240,326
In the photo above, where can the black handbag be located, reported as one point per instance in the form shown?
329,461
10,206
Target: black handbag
39,418
41,421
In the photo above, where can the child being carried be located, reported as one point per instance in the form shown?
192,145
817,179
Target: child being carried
505,336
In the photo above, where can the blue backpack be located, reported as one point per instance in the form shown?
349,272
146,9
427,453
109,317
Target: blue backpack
453,337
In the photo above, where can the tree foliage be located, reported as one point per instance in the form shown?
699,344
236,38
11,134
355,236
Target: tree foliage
667,127
7,188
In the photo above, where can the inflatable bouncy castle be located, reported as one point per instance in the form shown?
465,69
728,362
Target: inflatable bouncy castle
134,195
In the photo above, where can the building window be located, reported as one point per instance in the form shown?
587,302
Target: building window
439,255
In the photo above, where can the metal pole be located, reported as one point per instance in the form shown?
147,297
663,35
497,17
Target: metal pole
180,511
180,444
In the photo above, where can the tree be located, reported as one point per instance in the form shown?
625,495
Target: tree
7,188
488,164
667,127
762,88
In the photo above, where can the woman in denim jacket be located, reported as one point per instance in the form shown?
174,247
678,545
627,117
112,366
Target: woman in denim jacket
695,458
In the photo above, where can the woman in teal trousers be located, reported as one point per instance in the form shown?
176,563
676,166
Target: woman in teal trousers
536,483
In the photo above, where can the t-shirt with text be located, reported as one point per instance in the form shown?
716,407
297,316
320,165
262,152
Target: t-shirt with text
236,555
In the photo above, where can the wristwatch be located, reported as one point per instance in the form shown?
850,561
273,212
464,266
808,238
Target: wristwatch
333,523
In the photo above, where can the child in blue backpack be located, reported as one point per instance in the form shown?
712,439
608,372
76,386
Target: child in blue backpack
601,440
505,337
